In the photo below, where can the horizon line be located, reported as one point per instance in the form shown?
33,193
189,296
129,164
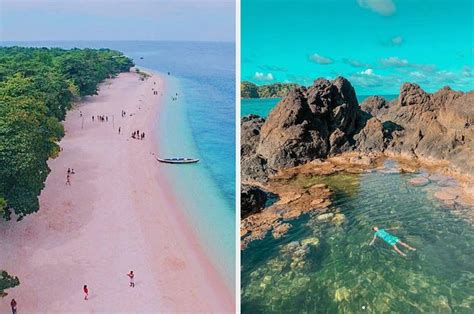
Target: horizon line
119,40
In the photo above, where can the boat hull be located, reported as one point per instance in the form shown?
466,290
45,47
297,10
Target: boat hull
178,160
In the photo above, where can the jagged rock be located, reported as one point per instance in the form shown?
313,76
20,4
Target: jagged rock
374,105
253,199
310,123
437,126
252,166
372,137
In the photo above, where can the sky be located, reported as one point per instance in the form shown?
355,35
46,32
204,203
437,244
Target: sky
376,44
176,20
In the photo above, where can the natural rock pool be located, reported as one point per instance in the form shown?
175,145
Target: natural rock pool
325,264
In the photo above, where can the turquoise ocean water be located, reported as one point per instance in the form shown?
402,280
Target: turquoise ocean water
200,124
263,106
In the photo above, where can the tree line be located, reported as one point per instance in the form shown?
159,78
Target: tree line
37,87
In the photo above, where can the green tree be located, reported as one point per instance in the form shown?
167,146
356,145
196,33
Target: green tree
7,281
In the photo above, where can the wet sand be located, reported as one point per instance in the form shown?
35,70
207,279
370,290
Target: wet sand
118,214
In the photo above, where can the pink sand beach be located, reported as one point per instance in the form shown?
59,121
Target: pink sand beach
118,214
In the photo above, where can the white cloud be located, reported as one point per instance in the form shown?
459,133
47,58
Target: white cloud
320,59
367,72
417,74
397,40
394,62
382,7
356,63
263,77
466,71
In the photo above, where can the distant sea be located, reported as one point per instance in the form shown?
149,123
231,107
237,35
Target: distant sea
200,124
263,106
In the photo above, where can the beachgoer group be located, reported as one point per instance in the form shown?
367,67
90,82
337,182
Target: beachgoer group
101,118
137,135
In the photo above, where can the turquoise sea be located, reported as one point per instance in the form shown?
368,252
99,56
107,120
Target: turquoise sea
263,106
200,124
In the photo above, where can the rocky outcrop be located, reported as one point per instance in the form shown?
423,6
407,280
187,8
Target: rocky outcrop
325,120
309,123
374,105
252,200
253,166
432,126
277,90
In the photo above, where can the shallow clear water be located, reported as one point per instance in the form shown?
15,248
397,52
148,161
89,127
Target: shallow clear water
339,272
263,106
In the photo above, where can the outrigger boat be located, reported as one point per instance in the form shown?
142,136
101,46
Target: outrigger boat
178,160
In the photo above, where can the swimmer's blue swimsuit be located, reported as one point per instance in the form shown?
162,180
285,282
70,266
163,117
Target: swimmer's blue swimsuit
387,237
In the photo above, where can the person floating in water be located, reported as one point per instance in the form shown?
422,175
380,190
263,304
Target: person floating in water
390,239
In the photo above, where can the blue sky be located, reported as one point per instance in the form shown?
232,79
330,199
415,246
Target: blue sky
177,20
376,44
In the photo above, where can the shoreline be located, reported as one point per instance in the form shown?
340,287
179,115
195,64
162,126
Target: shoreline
457,189
204,203
66,244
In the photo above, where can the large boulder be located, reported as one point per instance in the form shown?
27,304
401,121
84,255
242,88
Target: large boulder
310,123
437,126
325,119
374,105
253,167
252,200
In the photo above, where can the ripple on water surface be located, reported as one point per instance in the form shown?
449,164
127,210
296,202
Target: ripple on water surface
325,263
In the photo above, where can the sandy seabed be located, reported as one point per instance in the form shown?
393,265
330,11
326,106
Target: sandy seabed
118,214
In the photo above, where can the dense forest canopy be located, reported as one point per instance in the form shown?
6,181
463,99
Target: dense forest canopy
37,87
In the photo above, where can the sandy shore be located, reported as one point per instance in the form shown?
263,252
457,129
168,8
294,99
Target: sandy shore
118,215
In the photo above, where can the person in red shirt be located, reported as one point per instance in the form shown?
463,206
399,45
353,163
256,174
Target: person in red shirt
13,305
131,275
86,292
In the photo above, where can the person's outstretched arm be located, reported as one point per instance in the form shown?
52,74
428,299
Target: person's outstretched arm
373,240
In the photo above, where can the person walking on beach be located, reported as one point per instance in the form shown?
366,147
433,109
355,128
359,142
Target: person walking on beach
13,306
390,239
68,170
92,118
119,130
68,179
86,292
131,277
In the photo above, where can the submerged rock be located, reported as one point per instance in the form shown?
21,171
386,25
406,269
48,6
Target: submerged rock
313,241
339,219
341,294
445,195
326,216
419,181
253,199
